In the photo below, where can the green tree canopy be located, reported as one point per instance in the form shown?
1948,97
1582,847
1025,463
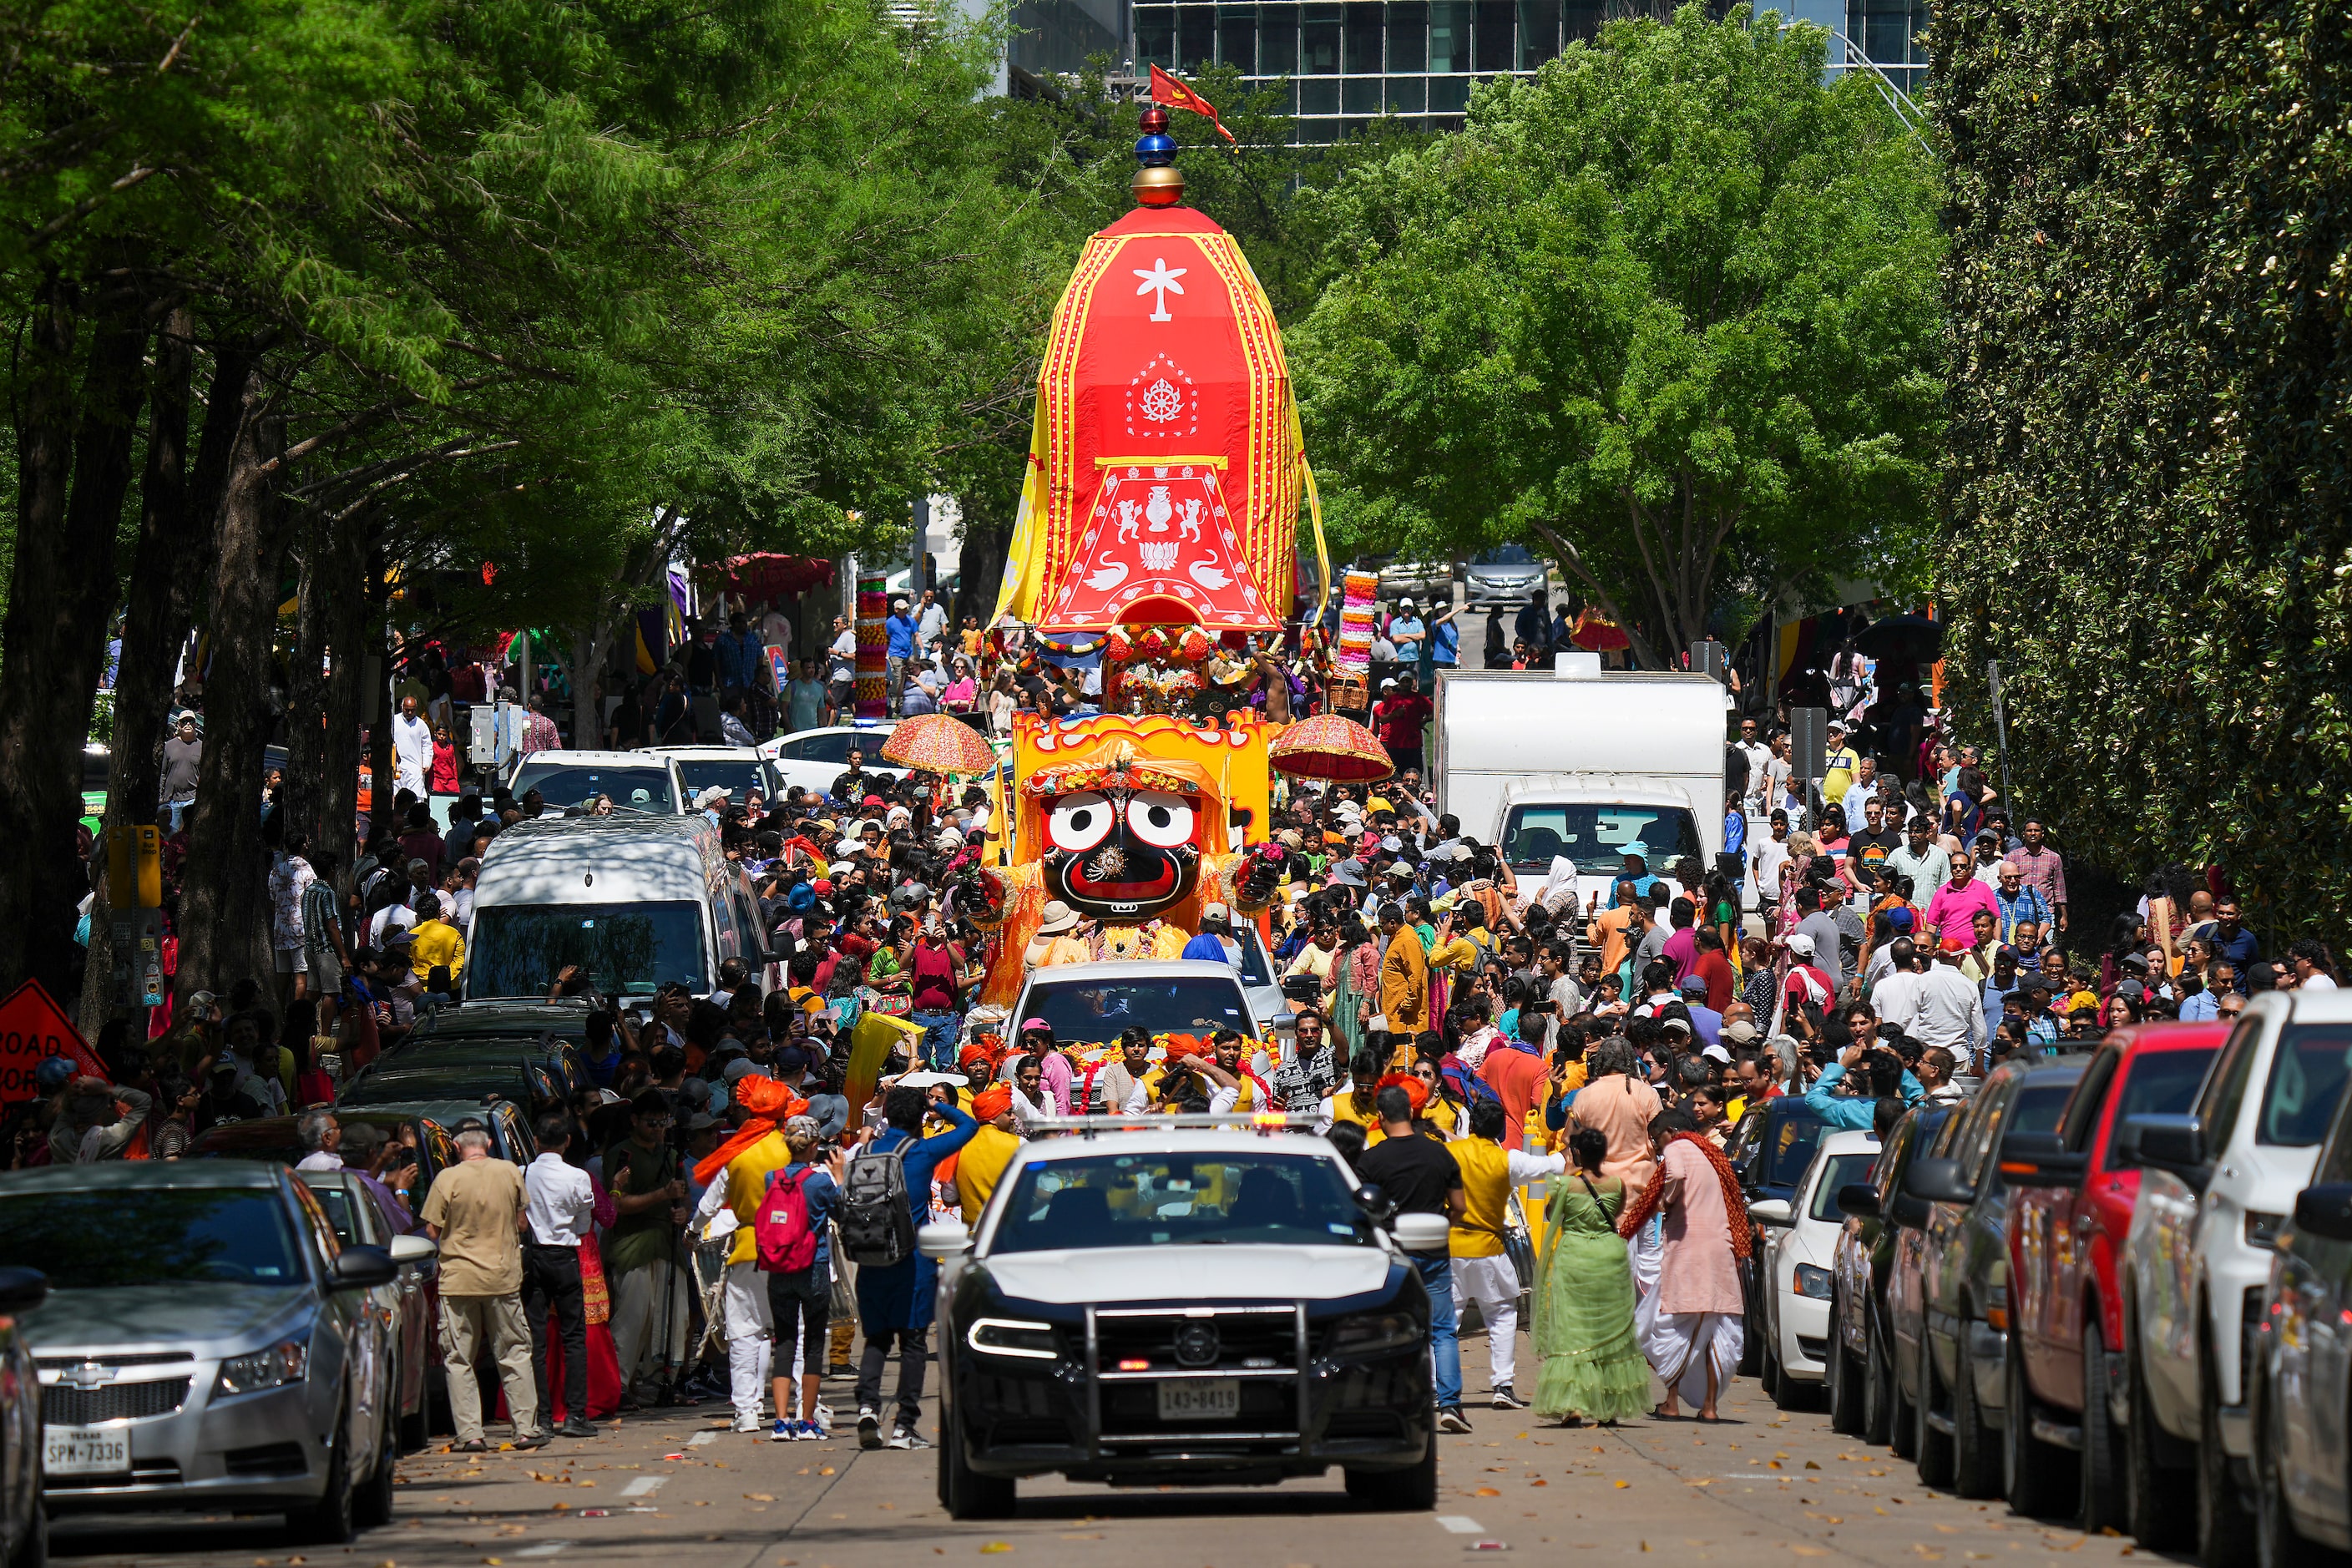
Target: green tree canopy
1669,307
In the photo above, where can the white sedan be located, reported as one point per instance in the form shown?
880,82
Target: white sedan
1797,1237
813,759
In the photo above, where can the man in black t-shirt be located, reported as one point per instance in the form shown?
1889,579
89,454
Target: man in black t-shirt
1868,846
1420,1177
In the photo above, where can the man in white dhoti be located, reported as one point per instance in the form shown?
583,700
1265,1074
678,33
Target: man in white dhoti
1689,1320
412,750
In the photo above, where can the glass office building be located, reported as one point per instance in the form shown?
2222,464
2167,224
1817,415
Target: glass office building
1349,62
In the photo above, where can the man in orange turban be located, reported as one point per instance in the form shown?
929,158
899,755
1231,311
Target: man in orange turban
981,1164
762,1105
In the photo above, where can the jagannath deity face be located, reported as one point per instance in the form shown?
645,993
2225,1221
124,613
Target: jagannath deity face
1120,851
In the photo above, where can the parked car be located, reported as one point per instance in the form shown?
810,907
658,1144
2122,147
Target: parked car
1863,1399
362,1215
208,1343
1094,1001
2300,1401
1182,1306
813,759
539,1075
1951,1319
510,1017
24,1517
1505,574
633,781
1798,1239
2216,1188
741,771
2070,1197
1421,579
1770,1150
279,1139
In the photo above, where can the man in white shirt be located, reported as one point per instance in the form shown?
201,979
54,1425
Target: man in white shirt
931,623
1895,998
1759,763
1951,1006
322,1135
1859,793
776,628
1767,855
412,750
559,1206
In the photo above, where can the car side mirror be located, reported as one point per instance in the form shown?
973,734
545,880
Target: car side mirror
1938,1182
2174,1144
406,1251
362,1268
22,1290
2041,1160
1771,1211
1858,1199
2326,1211
943,1239
1422,1232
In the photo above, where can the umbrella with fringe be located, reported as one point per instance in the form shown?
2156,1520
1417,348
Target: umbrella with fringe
938,743
1330,746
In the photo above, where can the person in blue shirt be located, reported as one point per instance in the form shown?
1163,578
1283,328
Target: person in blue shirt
802,1298
741,657
894,1304
899,627
1735,826
1858,1112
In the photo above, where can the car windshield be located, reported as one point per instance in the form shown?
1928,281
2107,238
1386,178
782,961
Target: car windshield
637,788
1099,1009
1182,1200
1790,1150
740,779
1840,1169
2163,1083
1597,836
518,949
2307,1077
105,1238
1505,556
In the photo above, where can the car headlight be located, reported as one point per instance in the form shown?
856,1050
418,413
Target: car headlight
1813,1282
1368,1331
273,1368
1012,1336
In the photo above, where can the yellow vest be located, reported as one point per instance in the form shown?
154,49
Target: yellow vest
1486,1192
980,1165
746,1183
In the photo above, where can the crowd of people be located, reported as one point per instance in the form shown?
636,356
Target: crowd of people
1488,1042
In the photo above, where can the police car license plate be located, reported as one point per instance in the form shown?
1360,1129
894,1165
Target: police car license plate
88,1451
1200,1399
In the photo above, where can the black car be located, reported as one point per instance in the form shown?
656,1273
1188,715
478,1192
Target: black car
1951,1324
1770,1149
23,1518
537,1073
1183,1307
1861,1392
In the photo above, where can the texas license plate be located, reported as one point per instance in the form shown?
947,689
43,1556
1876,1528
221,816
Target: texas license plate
88,1451
1200,1399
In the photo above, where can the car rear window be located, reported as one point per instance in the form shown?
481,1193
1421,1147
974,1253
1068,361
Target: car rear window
2307,1077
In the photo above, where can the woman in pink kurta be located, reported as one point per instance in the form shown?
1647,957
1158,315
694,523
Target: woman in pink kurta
1689,1321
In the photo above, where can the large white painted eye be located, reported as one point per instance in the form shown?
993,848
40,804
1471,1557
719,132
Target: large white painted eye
1079,821
1159,819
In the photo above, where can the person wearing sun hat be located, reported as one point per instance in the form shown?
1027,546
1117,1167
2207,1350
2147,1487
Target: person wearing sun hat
1056,941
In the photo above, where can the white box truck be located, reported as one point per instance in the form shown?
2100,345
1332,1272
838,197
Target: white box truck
1588,764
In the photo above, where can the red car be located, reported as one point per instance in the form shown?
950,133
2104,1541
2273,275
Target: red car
2070,1197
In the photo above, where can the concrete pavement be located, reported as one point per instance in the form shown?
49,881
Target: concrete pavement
663,1490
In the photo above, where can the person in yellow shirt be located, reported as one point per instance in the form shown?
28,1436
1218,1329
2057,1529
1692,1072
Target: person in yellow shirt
1404,975
981,1164
763,1106
434,942
1226,1069
1483,1271
1055,941
1358,1103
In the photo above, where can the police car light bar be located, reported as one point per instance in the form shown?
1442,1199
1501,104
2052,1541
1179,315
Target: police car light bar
1255,1121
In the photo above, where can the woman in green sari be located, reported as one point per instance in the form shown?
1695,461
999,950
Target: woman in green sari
1355,987
1588,1363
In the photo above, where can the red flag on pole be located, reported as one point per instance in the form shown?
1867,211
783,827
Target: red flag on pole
1166,90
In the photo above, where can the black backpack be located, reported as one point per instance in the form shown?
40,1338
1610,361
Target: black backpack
878,1226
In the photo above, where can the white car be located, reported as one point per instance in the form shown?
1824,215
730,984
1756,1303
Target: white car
1093,1003
1194,1303
636,781
738,769
813,759
2217,1185
1799,1237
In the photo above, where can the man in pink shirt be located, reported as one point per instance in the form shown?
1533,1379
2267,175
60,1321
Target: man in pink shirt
1952,912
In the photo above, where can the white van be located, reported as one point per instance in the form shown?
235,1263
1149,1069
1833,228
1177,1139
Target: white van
635,900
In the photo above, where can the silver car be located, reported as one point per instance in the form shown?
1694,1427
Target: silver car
366,1214
208,1343
1505,574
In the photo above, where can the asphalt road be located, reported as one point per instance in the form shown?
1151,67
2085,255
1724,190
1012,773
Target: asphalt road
663,1491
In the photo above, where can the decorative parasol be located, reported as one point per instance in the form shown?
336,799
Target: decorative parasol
1915,638
938,743
1330,746
770,576
1596,633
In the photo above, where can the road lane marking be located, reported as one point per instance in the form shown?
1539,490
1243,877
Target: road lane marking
548,1549
1460,1524
700,1438
644,1486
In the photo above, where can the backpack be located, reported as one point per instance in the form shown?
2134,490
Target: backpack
780,1229
878,1224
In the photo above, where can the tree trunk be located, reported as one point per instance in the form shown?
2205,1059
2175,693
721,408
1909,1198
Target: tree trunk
980,567
375,705
155,614
223,907
347,642
306,687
